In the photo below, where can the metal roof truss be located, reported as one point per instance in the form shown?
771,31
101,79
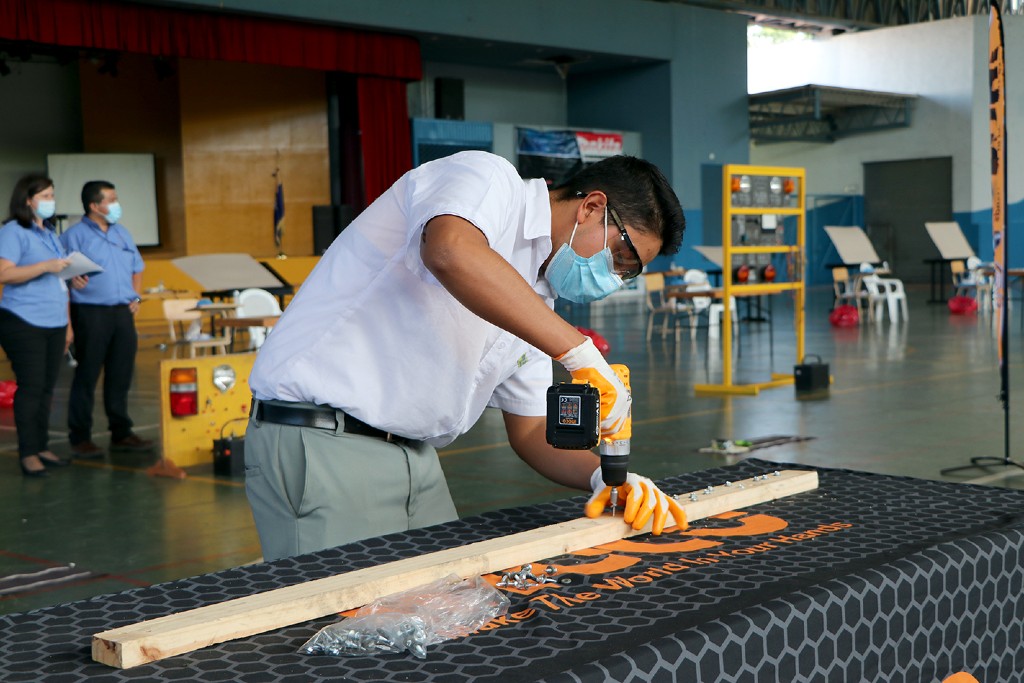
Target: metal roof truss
836,16
814,113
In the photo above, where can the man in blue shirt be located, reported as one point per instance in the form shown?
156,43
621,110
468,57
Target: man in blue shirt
103,320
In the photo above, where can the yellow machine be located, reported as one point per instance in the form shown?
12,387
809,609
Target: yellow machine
755,202
201,400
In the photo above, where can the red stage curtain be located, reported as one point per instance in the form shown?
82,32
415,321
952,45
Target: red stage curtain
384,128
161,31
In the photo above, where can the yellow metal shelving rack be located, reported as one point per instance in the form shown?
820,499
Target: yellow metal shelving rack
750,206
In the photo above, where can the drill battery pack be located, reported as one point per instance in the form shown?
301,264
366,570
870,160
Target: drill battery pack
229,456
573,416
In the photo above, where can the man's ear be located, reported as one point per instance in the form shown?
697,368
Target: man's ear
596,201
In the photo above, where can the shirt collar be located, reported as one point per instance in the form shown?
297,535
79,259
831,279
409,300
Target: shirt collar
538,210
93,224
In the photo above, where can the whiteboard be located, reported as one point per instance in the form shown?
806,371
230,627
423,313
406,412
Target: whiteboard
131,174
220,272
713,254
949,240
853,245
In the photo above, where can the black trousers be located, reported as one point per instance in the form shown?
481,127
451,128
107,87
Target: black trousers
35,354
105,339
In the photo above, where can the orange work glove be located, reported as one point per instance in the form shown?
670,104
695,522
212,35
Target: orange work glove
585,363
643,499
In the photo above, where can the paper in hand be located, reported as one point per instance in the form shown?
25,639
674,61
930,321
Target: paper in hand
80,265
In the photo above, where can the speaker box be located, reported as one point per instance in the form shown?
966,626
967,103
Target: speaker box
449,98
811,378
328,222
229,457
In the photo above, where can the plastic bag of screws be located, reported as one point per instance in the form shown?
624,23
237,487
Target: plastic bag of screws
411,620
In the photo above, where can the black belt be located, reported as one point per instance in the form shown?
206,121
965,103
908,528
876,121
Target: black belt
318,418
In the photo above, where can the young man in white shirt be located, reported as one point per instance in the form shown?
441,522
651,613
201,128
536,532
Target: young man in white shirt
434,304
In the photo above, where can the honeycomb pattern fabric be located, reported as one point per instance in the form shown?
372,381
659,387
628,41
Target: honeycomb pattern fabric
869,578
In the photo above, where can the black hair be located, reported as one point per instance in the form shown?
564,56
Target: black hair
638,191
92,192
26,188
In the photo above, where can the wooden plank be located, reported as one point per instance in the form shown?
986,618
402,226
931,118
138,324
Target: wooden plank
176,634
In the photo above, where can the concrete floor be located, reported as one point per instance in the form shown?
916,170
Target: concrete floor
908,399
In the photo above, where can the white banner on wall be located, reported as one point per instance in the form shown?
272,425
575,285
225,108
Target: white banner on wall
597,146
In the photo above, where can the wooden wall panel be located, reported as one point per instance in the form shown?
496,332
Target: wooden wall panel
238,123
136,112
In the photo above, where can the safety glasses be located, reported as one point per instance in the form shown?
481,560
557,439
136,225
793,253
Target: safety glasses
627,263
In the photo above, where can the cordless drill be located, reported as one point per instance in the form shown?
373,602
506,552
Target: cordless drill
574,422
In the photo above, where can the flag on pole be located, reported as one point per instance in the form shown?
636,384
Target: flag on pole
278,214
997,136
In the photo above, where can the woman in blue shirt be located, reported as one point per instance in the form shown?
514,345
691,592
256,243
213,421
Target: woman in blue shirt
34,330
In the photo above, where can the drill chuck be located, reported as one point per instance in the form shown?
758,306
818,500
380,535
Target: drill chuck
614,462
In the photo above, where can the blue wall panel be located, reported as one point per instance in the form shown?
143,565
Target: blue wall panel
823,210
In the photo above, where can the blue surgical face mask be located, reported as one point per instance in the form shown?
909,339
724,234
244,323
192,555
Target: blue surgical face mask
580,279
113,213
45,208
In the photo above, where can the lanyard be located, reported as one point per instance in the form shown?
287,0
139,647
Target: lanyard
49,240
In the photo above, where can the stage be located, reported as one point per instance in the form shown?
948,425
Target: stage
868,578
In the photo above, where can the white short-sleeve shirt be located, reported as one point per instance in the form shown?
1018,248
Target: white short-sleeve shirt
372,332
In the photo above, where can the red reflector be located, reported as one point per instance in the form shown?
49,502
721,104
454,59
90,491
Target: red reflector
184,392
184,403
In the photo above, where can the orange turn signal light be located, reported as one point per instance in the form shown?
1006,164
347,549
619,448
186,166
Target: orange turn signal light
184,392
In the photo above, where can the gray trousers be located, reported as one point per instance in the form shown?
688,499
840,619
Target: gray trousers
311,489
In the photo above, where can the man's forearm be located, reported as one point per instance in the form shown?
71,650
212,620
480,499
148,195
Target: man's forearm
565,467
460,258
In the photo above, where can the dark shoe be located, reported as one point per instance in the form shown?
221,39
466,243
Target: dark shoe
131,443
86,450
32,472
50,460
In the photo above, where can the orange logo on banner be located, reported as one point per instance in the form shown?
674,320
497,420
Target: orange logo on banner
962,677
619,555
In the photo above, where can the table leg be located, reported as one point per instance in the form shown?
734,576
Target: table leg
931,297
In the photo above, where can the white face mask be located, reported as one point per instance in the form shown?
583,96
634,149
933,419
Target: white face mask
583,279
113,213
45,208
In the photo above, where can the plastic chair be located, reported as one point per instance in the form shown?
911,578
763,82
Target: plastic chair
660,305
697,280
972,276
845,289
177,312
887,290
963,282
256,302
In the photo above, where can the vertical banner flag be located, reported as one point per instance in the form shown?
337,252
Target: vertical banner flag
997,135
278,214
